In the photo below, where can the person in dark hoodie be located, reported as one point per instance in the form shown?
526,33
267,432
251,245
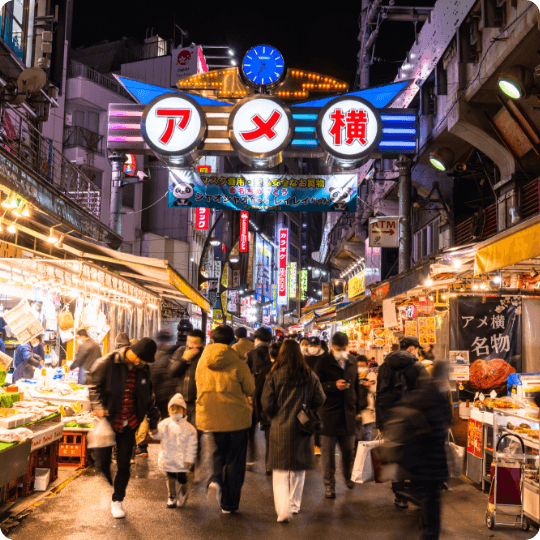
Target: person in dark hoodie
397,377
314,352
182,369
257,360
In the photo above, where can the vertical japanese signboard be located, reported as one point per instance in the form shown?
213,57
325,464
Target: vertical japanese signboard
282,266
244,221
201,218
303,284
489,329
292,279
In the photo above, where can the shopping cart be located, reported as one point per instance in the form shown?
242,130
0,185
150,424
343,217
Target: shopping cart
507,476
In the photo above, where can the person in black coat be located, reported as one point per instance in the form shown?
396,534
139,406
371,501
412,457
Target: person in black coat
398,375
424,452
257,360
182,368
338,374
257,405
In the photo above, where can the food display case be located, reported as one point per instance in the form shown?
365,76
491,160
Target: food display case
524,423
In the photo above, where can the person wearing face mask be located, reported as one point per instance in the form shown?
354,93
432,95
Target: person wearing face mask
182,369
304,343
87,353
121,391
178,450
314,352
338,374
367,381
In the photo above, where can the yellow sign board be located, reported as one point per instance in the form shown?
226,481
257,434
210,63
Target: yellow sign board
187,290
357,284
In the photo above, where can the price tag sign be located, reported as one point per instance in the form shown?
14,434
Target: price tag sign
43,372
62,410
482,397
493,394
78,407
66,369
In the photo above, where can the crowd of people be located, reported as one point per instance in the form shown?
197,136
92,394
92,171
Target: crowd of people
308,397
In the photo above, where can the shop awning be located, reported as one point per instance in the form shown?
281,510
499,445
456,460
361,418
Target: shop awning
509,247
402,284
307,318
355,309
154,274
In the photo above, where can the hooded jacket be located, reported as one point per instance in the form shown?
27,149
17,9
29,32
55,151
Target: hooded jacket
397,376
178,445
223,384
243,347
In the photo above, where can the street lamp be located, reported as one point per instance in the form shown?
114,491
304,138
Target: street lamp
442,158
215,242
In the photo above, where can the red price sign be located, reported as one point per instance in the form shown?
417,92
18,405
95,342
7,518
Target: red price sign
244,221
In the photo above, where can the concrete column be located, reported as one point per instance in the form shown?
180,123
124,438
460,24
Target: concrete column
117,160
405,235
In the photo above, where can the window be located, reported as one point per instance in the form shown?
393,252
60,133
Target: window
426,241
95,176
294,227
285,221
294,252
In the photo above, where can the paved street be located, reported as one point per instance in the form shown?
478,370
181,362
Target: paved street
81,511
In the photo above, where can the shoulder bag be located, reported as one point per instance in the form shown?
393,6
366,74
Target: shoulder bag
310,420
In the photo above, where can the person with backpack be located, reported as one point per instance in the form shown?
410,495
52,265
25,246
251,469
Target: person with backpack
397,376
257,360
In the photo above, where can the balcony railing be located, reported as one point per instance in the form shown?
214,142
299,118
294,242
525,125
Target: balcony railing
79,136
463,232
80,70
25,142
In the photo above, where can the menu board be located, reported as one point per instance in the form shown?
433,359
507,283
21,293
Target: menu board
426,331
411,328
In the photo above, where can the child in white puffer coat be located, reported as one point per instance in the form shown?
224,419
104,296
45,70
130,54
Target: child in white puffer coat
178,450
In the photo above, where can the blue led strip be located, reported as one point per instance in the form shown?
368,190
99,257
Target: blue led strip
399,131
304,129
397,144
304,142
398,118
306,117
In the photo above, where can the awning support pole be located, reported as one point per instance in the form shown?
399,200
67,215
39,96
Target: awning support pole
117,161
405,235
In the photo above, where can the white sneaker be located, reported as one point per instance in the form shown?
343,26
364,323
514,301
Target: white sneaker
117,510
171,503
214,491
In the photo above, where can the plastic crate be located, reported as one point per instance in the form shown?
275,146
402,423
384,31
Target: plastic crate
10,491
25,488
72,450
47,457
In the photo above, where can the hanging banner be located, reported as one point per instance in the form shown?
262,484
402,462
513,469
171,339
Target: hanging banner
184,63
292,279
201,218
282,267
263,192
303,284
244,222
357,284
490,330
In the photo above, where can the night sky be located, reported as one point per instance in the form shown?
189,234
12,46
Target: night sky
309,38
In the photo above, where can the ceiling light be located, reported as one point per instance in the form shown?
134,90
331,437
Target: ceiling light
497,279
475,286
234,259
12,228
215,241
429,282
457,263
26,212
483,285
10,202
516,82
52,239
16,212
442,158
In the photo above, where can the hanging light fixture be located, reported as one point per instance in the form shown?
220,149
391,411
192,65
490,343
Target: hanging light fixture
442,158
52,239
215,242
10,202
26,211
516,82
12,229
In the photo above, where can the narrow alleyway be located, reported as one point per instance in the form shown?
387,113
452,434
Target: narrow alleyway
81,511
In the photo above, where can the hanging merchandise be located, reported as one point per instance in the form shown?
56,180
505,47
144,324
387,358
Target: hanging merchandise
65,320
22,322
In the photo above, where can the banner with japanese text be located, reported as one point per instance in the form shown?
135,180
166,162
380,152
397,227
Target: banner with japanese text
244,223
202,218
263,192
282,266
490,330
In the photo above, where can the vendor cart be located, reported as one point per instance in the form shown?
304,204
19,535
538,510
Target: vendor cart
507,484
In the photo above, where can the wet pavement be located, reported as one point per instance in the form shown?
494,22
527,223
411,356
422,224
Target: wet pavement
82,511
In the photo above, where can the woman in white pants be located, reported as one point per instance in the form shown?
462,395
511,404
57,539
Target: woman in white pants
289,385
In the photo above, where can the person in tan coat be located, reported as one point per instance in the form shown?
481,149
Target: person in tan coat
243,345
224,384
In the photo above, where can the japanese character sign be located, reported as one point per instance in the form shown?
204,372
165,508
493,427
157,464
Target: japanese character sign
173,124
490,330
282,266
349,128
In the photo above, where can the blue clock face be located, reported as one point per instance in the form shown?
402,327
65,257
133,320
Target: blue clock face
263,65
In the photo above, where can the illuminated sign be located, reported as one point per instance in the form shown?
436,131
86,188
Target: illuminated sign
292,279
303,284
260,128
282,266
357,284
349,128
202,218
384,232
244,223
173,125
130,166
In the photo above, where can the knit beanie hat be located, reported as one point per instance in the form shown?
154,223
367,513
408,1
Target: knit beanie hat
122,340
145,349
178,400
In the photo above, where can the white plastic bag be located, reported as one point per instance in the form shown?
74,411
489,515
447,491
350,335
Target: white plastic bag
363,464
455,457
102,435
9,436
